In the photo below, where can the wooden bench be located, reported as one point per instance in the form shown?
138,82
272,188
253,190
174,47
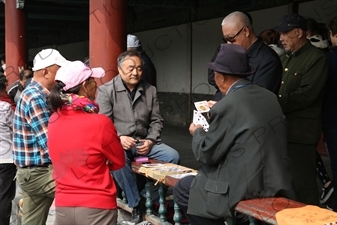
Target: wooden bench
263,209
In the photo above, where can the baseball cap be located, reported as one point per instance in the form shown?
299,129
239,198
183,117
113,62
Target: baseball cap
291,21
76,72
48,57
132,41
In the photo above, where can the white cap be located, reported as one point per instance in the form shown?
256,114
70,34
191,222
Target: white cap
48,57
133,41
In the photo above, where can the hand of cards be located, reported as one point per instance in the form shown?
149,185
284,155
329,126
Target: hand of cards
198,118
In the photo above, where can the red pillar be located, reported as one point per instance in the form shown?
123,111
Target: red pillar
15,36
107,35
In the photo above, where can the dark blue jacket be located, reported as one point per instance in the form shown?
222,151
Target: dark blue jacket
329,114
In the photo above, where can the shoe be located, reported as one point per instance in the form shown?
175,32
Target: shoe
328,206
135,215
326,193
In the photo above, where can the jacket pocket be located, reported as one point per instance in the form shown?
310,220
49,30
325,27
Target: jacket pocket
217,198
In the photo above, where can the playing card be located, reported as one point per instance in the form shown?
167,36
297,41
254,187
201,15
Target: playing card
202,106
198,118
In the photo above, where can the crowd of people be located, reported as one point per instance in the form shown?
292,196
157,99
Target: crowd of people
276,92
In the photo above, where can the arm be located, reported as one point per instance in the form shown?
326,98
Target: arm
7,115
156,121
111,146
210,148
104,101
310,88
269,74
211,80
38,116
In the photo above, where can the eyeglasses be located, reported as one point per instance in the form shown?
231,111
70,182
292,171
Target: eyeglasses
232,39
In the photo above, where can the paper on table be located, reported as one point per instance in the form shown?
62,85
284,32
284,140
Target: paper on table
181,175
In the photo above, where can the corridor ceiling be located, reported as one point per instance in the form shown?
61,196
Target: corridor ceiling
55,22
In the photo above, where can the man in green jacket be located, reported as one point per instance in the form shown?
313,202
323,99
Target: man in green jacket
301,96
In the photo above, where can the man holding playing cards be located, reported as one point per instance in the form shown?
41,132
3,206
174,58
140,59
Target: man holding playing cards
244,151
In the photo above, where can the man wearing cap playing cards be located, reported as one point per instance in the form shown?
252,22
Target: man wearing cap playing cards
244,151
30,151
301,97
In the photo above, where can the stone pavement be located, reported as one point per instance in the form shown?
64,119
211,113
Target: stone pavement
180,139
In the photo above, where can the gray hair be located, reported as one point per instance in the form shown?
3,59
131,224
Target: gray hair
129,53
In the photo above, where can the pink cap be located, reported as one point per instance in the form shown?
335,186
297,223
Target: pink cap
76,72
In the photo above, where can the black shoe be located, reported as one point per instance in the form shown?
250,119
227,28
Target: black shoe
135,215
329,206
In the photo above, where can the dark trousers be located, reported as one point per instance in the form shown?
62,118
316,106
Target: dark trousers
303,168
181,193
7,191
330,136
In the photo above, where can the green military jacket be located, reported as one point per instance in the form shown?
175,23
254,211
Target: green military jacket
301,93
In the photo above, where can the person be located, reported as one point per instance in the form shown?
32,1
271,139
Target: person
133,106
329,112
211,81
316,34
149,70
244,152
3,64
85,191
7,167
271,38
301,97
237,29
30,151
14,91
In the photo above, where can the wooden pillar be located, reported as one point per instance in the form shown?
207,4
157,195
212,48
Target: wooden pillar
15,40
107,35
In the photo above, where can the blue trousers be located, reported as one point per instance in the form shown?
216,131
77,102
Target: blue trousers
126,179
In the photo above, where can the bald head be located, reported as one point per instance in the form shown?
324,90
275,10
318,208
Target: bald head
237,29
237,19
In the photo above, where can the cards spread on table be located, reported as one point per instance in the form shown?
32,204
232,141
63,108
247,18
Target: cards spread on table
202,106
198,118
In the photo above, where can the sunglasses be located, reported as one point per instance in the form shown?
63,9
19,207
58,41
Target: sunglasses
232,39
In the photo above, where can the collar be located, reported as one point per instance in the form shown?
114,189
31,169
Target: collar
119,85
300,50
238,84
252,50
40,87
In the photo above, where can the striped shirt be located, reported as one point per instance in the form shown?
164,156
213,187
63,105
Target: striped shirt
30,127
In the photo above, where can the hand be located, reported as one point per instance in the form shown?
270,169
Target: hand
211,103
20,68
127,142
193,127
144,146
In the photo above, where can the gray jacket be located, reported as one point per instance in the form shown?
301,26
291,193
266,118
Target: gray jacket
139,118
244,153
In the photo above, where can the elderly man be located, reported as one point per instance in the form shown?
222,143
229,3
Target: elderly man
14,91
30,151
301,97
237,29
244,152
133,106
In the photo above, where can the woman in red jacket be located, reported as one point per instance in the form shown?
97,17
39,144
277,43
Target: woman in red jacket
84,147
